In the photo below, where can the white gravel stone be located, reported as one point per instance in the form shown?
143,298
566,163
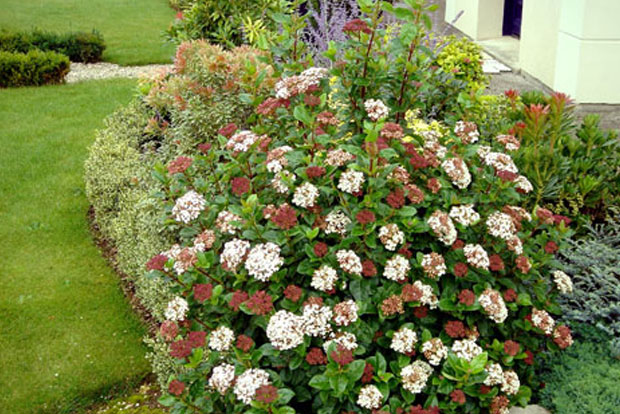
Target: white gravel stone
89,71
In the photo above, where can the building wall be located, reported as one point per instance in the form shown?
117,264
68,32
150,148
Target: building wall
539,39
481,19
588,51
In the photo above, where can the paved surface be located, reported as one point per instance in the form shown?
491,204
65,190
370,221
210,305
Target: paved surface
87,71
530,409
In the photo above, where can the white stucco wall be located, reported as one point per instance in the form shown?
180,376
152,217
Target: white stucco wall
481,19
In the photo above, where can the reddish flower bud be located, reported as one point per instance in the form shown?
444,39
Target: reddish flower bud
320,249
156,262
203,291
176,387
244,343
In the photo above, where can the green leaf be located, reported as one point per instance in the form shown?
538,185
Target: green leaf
285,410
167,400
404,14
478,363
320,382
301,114
356,369
285,395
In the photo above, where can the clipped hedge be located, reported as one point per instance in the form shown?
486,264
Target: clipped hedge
77,46
32,68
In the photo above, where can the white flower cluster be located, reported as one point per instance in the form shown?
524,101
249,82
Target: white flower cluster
428,296
279,182
434,350
221,339
476,256
457,171
404,340
391,236
204,241
369,397
501,162
337,222
173,252
415,376
349,262
222,378
297,84
514,244
305,195
510,142
233,253
519,212
324,278
467,131
338,158
344,339
188,207
543,321
284,330
464,214
376,109
177,309
345,313
396,268
434,265
511,383
495,375
443,227
224,222
493,304
562,281
248,383
351,181
523,184
185,260
263,261
467,349
431,143
315,320
501,225
276,160
242,141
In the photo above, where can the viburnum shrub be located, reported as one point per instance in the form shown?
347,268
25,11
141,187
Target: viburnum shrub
358,258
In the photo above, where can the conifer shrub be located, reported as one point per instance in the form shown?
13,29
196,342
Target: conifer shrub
340,253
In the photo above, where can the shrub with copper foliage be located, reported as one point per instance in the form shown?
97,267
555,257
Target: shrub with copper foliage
379,262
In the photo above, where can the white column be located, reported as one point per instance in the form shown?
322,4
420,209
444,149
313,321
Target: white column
588,51
481,19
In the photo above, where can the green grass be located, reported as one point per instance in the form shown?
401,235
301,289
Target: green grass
67,333
132,29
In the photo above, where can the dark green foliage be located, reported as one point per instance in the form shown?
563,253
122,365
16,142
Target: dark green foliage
32,68
584,378
77,46
593,265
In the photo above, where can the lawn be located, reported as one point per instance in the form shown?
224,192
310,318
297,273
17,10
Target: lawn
132,28
66,332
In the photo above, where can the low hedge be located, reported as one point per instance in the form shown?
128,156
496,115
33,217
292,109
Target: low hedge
77,46
32,68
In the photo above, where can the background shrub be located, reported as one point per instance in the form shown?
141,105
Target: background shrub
595,270
229,23
32,68
463,58
77,46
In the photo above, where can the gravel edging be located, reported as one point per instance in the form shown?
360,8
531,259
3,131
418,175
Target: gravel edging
89,71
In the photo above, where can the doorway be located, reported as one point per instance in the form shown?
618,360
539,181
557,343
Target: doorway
512,18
